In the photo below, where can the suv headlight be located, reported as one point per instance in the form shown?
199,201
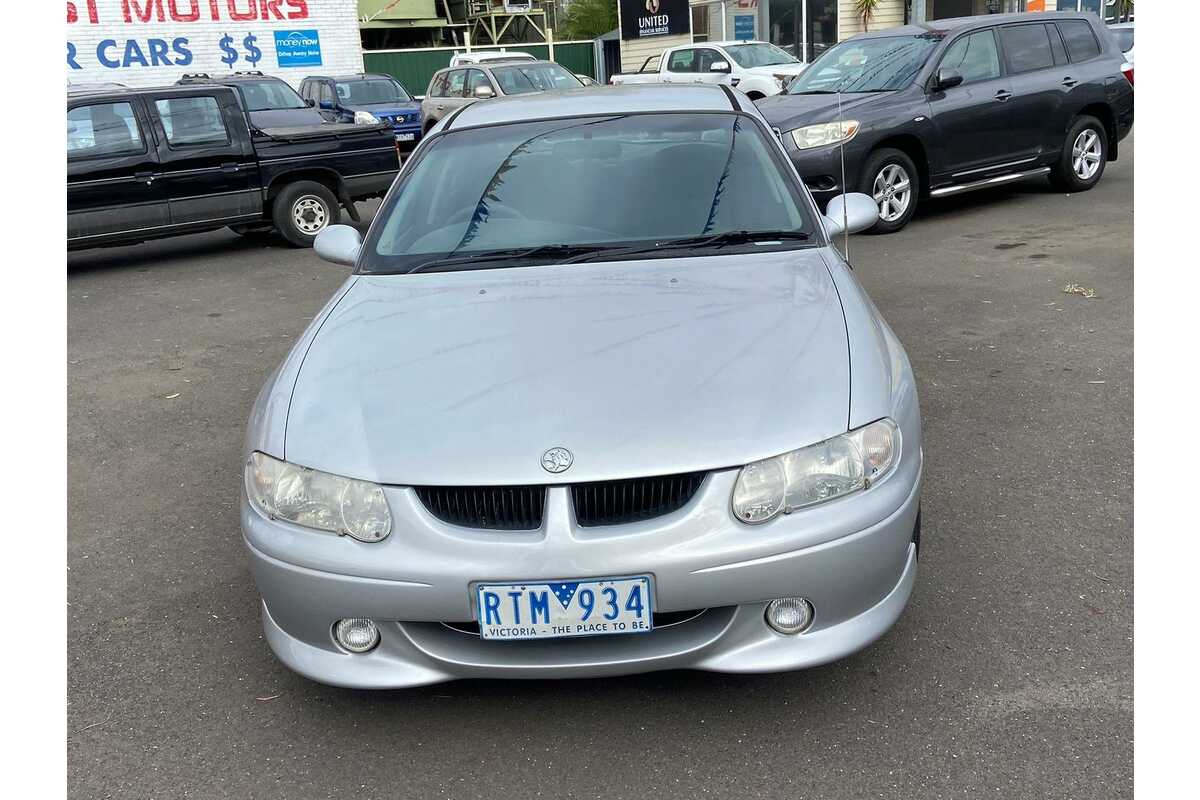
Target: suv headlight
814,474
826,133
317,499
365,118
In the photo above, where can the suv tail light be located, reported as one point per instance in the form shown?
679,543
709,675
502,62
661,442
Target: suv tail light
1127,71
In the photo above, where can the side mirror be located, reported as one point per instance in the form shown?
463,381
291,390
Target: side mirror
483,92
308,101
859,212
339,244
719,66
586,80
946,79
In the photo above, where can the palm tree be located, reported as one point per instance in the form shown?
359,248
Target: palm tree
866,10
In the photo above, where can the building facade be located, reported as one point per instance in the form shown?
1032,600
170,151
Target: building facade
154,42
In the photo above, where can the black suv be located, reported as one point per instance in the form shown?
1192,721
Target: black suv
269,102
943,107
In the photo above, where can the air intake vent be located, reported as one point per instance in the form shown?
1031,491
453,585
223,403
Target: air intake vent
634,499
498,508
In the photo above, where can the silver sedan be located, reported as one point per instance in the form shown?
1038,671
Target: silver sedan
600,397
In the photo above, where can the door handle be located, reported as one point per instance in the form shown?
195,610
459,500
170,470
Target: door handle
440,108
1003,95
230,166
1069,82
144,177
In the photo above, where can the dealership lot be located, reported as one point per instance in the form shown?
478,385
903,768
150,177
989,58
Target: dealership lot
1010,674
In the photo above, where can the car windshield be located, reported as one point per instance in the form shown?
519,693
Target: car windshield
759,54
1124,38
867,65
269,95
525,78
371,92
588,189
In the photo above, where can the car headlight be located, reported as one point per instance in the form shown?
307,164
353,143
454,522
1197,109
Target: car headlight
826,133
317,499
814,474
365,118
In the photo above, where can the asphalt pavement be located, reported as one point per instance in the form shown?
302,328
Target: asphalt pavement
1010,675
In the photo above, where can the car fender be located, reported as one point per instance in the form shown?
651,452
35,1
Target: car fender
881,377
268,416
758,83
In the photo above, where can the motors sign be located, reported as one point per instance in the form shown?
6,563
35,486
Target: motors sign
153,42
643,18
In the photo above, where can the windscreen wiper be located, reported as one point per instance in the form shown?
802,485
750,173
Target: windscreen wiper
511,254
699,242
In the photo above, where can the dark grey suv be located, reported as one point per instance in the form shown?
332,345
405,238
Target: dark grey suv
957,104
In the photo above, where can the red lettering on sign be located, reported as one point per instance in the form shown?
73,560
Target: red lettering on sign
299,9
269,8
242,16
153,8
191,15
93,15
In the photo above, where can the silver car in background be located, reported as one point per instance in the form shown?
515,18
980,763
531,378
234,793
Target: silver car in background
452,88
600,397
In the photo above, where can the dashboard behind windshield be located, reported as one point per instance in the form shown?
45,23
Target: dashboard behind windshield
370,92
748,56
867,65
636,179
269,95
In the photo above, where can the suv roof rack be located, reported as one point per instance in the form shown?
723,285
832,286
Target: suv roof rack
195,76
249,72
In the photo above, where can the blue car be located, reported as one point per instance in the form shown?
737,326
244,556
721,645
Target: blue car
367,98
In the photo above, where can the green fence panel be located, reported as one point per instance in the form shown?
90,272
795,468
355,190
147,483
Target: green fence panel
414,68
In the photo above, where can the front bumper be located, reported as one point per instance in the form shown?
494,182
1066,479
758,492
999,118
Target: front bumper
407,136
853,558
821,169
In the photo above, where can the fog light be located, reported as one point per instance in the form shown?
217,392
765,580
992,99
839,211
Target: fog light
356,635
789,614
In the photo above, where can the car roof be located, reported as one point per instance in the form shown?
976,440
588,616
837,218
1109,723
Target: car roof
600,100
353,76
495,54
175,89
728,43
497,65
204,77
1123,25
953,24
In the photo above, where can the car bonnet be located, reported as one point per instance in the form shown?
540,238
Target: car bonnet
638,368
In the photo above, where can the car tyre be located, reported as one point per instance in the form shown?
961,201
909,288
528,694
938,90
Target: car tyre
1085,152
891,178
302,210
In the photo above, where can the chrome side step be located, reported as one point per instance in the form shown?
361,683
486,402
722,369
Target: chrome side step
986,182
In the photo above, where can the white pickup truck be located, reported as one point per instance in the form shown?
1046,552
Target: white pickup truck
758,69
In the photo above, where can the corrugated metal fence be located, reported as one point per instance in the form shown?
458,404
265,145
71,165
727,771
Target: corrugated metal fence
414,68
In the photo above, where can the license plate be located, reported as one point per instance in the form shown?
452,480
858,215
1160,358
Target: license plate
556,609
405,137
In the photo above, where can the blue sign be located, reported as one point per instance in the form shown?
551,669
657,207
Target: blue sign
298,48
743,27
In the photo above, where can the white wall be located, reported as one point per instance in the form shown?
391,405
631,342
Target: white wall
148,42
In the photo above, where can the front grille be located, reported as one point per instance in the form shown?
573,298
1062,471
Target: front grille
498,508
633,499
